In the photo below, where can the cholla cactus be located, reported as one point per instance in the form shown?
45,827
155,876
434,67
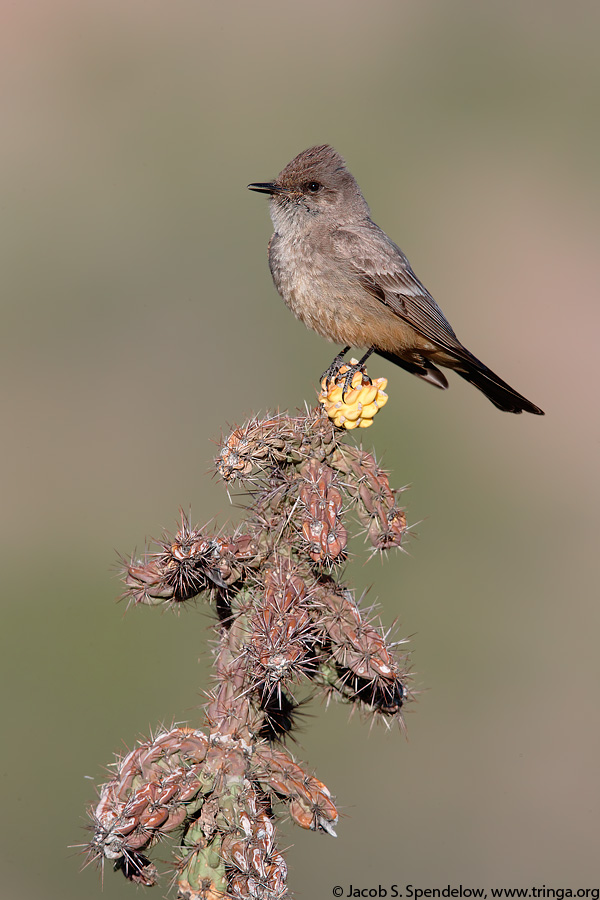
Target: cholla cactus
286,623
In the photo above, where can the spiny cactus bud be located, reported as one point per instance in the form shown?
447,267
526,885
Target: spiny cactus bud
311,805
384,521
255,867
188,564
322,503
282,634
366,669
149,795
260,443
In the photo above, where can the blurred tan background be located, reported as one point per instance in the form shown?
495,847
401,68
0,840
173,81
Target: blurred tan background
139,319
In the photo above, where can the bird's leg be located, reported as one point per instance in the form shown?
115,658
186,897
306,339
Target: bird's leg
364,358
333,370
353,369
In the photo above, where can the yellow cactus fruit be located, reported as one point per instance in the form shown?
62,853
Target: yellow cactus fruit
363,399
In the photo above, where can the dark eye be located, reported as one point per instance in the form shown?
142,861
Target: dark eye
313,186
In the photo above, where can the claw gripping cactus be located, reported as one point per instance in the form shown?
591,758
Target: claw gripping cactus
286,624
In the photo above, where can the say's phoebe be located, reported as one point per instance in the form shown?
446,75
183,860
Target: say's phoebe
342,276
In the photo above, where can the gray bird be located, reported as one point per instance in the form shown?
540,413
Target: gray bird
342,276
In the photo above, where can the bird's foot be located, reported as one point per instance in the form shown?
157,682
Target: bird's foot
331,372
349,371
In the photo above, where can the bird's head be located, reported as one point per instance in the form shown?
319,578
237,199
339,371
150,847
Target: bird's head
314,185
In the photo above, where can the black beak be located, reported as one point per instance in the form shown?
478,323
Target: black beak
265,188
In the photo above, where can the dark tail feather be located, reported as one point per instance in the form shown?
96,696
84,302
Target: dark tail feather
425,370
472,370
497,391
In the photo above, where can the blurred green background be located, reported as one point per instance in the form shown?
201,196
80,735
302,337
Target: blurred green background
139,319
